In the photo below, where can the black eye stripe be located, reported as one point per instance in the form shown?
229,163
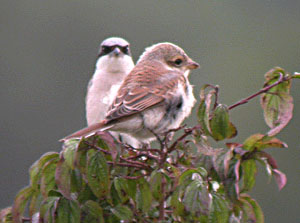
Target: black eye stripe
104,50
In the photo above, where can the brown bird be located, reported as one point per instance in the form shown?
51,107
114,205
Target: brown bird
156,96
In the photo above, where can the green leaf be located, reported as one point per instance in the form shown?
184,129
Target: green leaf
196,198
69,151
249,173
48,209
98,175
186,176
122,189
35,170
277,104
155,184
219,210
176,203
260,142
204,109
251,209
143,196
63,178
67,211
296,75
122,212
92,212
20,202
220,125
35,203
48,177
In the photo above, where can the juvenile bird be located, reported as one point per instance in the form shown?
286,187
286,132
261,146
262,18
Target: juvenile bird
156,96
113,64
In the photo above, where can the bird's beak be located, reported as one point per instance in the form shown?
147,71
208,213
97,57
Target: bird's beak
116,52
192,65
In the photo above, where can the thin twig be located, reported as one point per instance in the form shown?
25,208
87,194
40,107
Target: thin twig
126,164
245,100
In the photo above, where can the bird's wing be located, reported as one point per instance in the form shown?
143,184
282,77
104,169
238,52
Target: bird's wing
148,89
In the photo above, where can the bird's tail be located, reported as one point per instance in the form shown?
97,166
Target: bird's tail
86,131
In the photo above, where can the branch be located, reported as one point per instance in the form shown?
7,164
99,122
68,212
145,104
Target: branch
246,100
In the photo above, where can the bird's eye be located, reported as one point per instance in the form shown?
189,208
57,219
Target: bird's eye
178,62
125,49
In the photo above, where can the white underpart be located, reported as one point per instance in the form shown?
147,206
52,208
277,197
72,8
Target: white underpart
108,76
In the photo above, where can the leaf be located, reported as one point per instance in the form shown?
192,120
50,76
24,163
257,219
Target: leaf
35,203
48,210
122,189
92,212
35,170
260,142
67,211
204,109
277,103
219,212
6,215
63,177
98,175
296,75
176,203
280,178
155,184
69,152
122,212
252,209
221,127
249,173
48,177
20,202
196,198
143,196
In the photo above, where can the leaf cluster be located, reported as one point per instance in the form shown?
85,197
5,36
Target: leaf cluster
98,179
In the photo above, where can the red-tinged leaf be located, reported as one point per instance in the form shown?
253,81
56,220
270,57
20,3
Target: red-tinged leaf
249,174
280,178
92,213
20,203
98,175
227,158
237,176
48,177
252,208
67,211
270,160
260,142
6,215
277,103
35,203
63,178
196,198
204,109
48,210
35,170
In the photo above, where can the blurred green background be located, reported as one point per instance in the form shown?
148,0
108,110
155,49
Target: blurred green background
48,50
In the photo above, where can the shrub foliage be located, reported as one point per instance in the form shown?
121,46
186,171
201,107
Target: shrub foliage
98,179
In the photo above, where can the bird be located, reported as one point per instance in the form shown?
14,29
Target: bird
155,96
113,64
